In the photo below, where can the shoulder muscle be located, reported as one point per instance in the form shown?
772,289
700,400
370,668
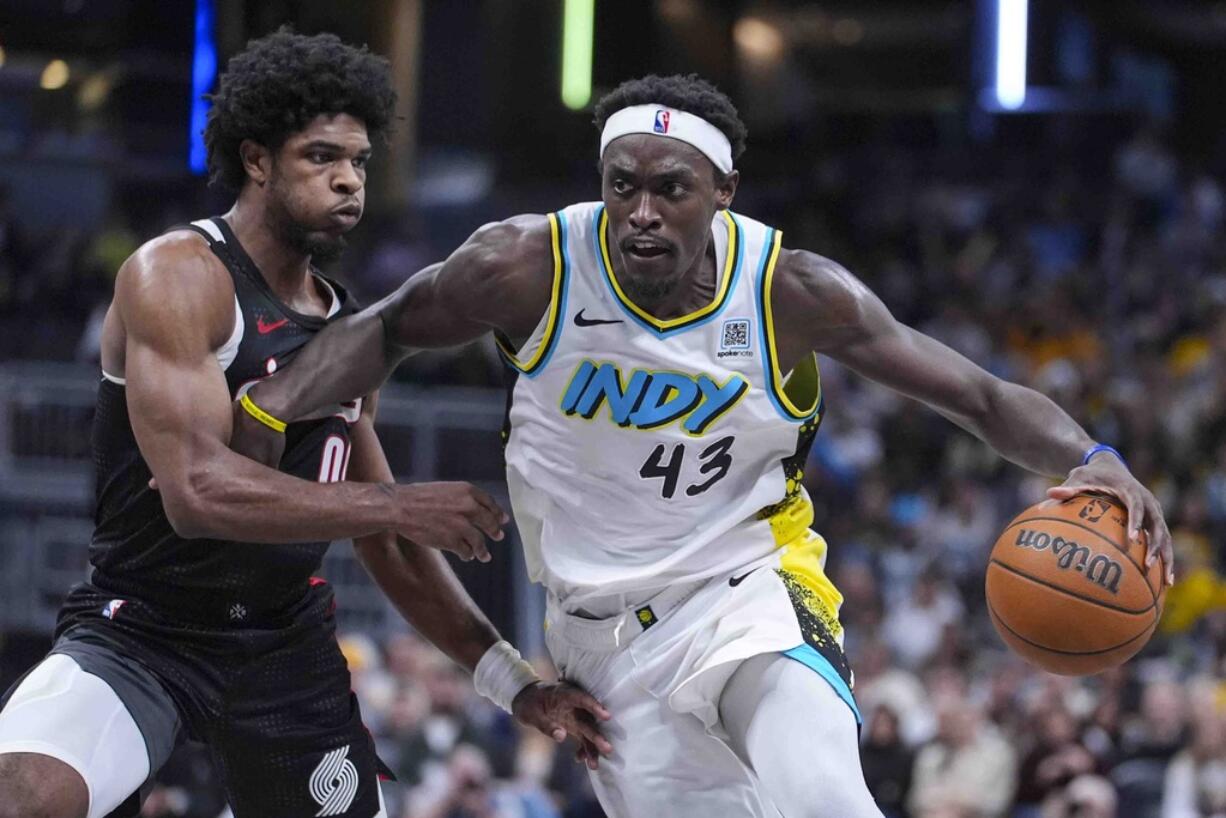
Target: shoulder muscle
502,276
819,301
174,290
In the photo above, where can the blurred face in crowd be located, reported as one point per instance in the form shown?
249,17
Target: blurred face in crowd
957,720
1162,708
660,195
470,775
1056,727
883,731
314,184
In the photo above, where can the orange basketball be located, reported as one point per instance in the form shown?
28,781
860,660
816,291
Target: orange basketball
1068,592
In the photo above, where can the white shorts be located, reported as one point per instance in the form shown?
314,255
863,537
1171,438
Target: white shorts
660,670
63,712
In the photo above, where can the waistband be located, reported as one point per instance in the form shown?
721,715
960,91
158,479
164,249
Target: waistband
616,632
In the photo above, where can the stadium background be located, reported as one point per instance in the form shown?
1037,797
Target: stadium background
1062,227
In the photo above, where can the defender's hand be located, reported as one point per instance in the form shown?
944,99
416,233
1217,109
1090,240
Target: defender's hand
1105,473
561,709
455,517
253,439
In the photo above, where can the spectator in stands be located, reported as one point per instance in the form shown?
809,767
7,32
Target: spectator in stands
1148,741
1057,757
470,791
430,741
1087,796
1195,785
915,628
887,763
968,771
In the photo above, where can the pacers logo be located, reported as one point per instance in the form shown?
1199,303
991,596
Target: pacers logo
334,784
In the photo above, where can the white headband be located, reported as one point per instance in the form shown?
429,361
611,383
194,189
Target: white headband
662,121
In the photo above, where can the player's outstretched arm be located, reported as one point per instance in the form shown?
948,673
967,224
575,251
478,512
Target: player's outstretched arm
173,306
820,306
499,279
425,590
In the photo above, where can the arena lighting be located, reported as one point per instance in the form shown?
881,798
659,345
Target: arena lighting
55,76
204,71
578,23
1011,19
758,40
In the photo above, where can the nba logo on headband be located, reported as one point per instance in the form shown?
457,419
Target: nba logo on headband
660,120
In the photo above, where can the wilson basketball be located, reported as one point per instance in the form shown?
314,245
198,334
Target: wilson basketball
1068,592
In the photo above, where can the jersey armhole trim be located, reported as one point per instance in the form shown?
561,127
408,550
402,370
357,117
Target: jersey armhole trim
775,385
557,305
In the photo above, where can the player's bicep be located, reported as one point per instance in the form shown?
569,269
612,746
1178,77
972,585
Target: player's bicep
427,311
922,368
178,400
175,406
499,279
852,325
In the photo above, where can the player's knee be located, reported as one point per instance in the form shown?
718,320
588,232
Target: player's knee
37,786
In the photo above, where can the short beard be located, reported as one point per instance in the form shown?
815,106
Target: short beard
321,247
649,289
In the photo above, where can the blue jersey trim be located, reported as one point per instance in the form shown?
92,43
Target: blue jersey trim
810,658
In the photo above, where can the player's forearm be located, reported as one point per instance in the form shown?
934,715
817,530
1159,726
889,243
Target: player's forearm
233,498
349,358
1029,429
425,590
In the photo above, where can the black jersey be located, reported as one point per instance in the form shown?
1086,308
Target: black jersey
136,555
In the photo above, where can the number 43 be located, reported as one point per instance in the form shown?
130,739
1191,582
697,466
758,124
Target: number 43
714,458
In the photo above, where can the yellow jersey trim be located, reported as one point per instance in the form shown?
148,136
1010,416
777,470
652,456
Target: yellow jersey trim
807,369
662,325
556,299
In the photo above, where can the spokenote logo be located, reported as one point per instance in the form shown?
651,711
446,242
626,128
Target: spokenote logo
334,783
734,339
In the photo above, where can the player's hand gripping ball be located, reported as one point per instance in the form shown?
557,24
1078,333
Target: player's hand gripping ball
1068,591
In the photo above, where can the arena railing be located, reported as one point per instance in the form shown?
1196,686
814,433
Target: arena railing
46,496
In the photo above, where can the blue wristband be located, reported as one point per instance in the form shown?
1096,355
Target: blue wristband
1102,447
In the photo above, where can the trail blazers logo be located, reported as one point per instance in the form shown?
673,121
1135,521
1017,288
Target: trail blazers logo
334,784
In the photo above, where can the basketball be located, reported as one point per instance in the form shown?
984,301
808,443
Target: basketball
1066,589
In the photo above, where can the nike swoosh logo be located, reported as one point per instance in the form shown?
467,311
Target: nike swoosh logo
580,321
264,328
735,581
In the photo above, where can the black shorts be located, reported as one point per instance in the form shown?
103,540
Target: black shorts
273,703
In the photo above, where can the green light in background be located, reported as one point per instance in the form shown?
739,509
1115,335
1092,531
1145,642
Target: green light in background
578,22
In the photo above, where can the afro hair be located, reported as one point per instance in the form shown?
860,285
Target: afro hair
689,93
281,82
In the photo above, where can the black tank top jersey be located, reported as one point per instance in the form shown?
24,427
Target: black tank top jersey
137,556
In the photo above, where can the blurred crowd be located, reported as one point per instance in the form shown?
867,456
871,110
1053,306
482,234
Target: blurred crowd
1095,275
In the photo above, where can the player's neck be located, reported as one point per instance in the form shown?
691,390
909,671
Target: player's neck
285,268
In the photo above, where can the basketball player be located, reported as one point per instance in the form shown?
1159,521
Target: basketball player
201,618
666,398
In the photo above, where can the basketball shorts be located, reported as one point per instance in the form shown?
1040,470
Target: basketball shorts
122,686
661,667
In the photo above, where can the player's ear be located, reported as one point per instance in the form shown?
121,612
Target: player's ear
725,189
257,160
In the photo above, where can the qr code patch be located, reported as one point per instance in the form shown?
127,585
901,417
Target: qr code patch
736,334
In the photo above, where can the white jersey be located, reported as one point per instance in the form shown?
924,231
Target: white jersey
646,452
